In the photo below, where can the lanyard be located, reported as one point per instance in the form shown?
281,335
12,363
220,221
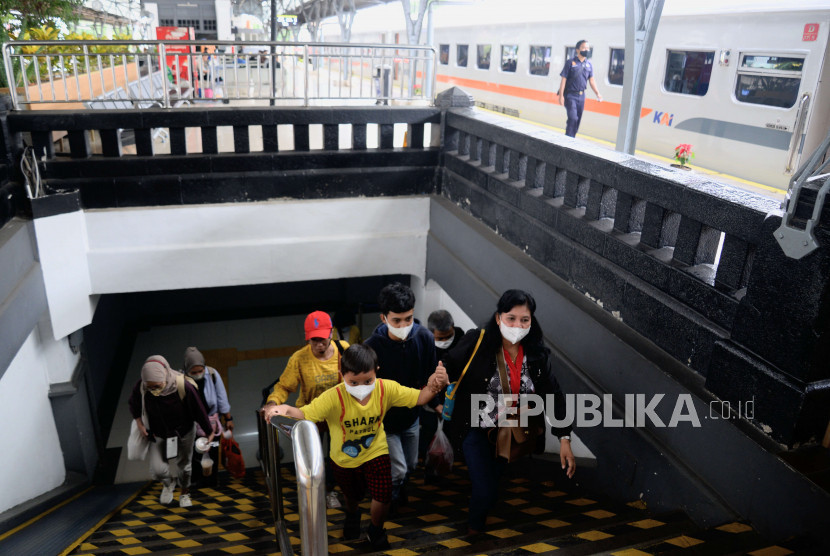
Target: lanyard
515,369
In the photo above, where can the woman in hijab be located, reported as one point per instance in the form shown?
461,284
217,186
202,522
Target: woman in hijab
170,406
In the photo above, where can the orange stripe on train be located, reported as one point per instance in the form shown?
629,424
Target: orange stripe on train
607,108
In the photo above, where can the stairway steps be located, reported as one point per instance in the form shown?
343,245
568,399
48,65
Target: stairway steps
532,517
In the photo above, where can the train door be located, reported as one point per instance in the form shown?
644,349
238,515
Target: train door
817,114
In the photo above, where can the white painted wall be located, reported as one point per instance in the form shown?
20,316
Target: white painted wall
223,20
34,461
62,246
95,252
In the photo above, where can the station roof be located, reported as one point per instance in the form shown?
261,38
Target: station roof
325,8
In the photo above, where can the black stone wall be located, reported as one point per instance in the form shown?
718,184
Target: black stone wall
644,243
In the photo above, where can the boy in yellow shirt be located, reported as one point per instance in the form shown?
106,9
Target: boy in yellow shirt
354,411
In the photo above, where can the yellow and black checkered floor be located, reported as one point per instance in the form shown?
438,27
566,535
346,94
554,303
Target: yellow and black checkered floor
534,517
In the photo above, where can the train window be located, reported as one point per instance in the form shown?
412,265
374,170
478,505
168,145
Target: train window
483,59
539,60
616,66
688,72
509,57
444,54
769,80
461,55
570,52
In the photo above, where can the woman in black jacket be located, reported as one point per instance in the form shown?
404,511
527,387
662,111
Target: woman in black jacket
512,333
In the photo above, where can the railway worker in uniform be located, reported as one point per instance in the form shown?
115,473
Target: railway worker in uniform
577,74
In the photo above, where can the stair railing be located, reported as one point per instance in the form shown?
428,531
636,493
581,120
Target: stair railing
311,479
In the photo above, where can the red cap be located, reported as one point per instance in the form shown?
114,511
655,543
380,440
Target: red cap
317,325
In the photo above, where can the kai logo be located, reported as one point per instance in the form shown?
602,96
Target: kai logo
663,118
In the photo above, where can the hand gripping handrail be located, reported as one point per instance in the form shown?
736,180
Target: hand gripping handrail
310,472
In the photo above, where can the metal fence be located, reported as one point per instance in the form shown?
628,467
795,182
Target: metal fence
170,74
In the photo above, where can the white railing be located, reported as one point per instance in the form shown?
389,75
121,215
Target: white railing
142,74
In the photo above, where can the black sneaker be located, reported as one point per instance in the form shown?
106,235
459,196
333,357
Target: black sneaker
351,526
377,537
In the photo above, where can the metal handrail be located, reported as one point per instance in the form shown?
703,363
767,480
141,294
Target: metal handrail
327,70
311,479
795,242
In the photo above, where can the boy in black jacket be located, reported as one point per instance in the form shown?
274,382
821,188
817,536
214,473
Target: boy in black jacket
406,354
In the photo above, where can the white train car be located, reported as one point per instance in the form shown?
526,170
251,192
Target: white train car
747,86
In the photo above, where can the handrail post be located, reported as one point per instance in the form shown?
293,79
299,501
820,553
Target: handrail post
162,67
311,492
305,64
270,461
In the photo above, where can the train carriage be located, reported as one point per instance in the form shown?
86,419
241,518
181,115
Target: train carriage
747,86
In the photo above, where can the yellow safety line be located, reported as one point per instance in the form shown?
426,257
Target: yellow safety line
41,516
106,518
645,153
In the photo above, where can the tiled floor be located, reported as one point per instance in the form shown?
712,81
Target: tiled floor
535,517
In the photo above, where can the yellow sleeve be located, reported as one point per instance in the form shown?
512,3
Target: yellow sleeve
400,396
321,407
289,380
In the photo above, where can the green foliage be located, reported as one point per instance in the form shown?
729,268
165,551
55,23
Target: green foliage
17,17
61,60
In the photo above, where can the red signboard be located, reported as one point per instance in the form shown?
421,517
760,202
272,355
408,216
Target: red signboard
178,64
810,32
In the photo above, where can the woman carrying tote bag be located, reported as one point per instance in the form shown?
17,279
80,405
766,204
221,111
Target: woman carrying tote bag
513,335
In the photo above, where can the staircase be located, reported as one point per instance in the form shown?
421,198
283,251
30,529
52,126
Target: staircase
535,516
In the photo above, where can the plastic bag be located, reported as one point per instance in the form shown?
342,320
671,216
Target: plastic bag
137,443
439,455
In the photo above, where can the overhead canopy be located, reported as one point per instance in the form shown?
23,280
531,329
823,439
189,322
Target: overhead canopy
317,10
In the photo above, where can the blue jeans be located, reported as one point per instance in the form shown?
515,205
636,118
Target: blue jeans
574,104
403,453
485,472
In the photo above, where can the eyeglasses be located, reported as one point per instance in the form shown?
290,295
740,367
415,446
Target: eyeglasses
353,447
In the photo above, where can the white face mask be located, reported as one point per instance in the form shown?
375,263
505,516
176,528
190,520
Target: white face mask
444,344
514,335
197,376
402,332
360,392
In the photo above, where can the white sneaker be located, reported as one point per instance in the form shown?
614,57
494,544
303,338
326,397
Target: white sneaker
332,501
166,494
184,501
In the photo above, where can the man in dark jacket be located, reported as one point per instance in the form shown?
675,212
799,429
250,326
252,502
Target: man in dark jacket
447,336
406,354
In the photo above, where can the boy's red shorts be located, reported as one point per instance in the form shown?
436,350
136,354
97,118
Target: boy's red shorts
376,474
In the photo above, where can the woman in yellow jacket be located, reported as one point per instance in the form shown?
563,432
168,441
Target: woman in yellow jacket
314,368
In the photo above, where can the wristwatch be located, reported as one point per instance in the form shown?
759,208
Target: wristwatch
566,437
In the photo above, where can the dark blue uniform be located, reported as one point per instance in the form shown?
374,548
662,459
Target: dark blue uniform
576,74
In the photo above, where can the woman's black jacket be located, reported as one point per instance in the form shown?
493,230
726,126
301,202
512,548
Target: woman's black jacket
482,369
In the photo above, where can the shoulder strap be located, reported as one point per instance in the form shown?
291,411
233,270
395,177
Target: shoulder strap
340,350
180,379
505,387
467,366
213,372
180,385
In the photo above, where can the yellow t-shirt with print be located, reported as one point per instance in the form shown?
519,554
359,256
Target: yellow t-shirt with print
358,428
309,373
